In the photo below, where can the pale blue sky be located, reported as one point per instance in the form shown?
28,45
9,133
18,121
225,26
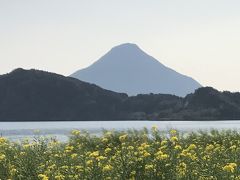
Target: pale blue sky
197,38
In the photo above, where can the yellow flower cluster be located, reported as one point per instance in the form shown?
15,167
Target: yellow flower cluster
131,155
43,177
230,167
182,169
2,157
2,140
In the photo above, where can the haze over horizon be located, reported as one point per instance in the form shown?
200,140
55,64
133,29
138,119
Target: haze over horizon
199,39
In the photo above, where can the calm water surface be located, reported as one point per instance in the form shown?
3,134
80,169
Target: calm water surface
61,130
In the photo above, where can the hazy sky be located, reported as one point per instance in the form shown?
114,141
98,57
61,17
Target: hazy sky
199,38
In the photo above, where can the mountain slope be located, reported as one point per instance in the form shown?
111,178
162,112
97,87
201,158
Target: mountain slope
39,95
126,68
210,103
29,95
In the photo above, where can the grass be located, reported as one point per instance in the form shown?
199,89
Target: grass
124,155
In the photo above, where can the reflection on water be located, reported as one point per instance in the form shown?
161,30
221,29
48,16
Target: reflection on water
61,130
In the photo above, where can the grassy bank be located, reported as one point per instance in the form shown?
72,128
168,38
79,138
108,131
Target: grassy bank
124,155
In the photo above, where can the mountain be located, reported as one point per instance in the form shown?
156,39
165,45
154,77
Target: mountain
209,103
39,95
126,68
29,95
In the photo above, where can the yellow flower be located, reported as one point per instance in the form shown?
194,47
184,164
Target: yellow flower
123,145
237,177
139,159
107,150
167,165
43,177
233,165
123,137
164,142
60,177
105,140
178,147
233,147
149,167
154,128
133,173
161,156
2,140
89,163
56,155
192,147
79,168
94,154
181,169
209,147
109,133
25,146
68,148
99,158
130,148
146,154
145,145
107,168
22,153
76,132
2,157
52,167
174,139
164,156
230,167
13,170
73,156
173,132
113,158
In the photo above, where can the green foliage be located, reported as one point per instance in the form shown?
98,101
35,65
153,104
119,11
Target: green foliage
125,155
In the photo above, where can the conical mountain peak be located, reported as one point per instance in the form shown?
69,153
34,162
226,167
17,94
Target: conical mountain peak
126,68
126,46
125,51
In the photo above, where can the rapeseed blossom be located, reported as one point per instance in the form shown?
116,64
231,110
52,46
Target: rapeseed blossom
230,167
124,155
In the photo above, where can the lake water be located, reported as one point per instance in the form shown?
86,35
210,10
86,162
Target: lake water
61,130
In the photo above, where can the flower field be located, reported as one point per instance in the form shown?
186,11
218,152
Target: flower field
124,155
